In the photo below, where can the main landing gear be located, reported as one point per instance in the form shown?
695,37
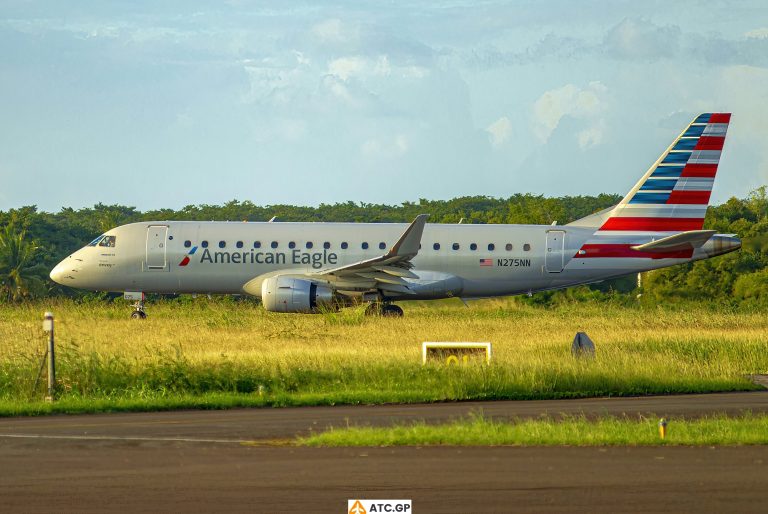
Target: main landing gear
138,310
384,309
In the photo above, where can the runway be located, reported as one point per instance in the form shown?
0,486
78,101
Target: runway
233,460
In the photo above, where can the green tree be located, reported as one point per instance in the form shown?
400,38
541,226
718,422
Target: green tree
20,276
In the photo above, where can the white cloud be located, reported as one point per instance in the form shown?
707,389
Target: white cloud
385,147
499,131
329,31
345,67
362,67
758,33
591,136
641,39
569,100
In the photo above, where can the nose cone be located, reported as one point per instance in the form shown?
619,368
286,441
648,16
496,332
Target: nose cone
57,273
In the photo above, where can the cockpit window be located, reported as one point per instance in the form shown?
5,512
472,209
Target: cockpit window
108,241
97,240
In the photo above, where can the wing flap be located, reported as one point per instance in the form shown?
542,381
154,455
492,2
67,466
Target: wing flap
396,271
383,277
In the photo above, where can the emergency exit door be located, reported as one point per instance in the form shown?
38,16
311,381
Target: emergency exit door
156,247
555,251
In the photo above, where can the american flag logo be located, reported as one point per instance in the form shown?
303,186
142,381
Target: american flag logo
486,262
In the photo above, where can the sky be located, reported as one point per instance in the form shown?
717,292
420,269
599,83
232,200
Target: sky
165,104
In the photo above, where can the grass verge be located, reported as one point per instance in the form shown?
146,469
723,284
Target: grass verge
201,354
577,431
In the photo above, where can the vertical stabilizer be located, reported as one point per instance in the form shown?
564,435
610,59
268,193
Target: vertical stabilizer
671,197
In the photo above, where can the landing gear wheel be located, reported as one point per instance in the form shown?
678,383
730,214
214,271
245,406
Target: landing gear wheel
138,312
392,310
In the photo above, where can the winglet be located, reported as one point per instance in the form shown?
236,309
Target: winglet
409,242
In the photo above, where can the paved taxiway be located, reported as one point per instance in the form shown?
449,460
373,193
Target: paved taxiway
197,461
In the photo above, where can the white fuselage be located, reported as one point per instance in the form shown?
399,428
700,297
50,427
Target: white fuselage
150,257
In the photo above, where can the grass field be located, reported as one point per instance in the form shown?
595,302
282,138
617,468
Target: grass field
203,354
719,430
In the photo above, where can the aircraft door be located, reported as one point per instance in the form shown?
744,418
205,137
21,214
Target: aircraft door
156,248
555,251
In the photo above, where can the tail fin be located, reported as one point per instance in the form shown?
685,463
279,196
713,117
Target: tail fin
674,193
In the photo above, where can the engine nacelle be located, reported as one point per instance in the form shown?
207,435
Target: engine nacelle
287,294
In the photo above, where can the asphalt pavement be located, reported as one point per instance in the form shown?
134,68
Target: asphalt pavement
237,460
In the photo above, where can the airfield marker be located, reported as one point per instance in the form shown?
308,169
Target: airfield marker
48,327
663,428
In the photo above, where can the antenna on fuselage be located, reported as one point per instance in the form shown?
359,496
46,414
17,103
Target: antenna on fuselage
272,219
461,221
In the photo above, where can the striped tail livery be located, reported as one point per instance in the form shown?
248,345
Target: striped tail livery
662,216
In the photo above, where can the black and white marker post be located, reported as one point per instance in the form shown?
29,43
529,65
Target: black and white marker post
48,327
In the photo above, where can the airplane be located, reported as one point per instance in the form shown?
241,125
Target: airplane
308,267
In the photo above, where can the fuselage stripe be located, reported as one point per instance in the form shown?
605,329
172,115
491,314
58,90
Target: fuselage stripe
653,224
626,251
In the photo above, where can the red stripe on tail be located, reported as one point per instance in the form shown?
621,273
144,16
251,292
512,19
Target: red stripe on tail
699,170
653,224
689,197
720,117
710,143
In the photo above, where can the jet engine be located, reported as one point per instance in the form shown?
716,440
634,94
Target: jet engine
288,294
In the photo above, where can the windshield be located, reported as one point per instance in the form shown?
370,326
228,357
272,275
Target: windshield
104,240
108,241
96,241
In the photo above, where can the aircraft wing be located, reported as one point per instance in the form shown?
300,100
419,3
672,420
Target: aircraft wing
384,272
683,241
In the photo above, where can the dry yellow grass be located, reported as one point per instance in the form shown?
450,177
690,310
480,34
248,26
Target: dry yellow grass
199,346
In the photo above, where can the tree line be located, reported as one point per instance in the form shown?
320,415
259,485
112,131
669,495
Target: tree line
33,241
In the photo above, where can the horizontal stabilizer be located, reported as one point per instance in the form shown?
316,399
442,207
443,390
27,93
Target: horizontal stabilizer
683,241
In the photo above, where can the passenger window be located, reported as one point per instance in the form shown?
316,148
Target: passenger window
526,247
508,247
365,246
222,244
257,244
274,244
344,245
382,246
292,245
239,244
204,244
455,246
473,246
436,246
491,247
108,241
187,243
309,245
326,245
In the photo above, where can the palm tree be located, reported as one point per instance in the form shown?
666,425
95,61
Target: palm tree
20,277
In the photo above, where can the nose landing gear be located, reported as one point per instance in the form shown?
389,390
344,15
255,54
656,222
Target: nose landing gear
138,307
138,310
